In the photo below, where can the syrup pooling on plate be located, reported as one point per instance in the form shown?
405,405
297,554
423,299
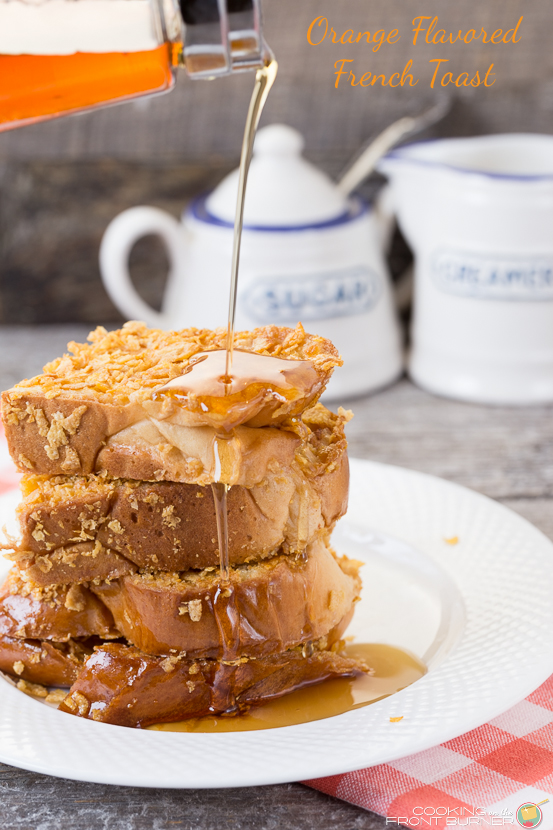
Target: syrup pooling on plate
394,669
256,383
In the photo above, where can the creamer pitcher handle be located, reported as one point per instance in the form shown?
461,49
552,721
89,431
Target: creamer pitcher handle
385,215
121,234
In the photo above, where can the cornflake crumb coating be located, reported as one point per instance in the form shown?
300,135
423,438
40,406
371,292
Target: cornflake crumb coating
127,365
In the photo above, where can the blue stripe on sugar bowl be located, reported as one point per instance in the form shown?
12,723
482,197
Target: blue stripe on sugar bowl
357,207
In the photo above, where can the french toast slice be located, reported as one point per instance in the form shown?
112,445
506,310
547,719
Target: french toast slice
93,409
44,662
268,607
59,614
122,685
67,522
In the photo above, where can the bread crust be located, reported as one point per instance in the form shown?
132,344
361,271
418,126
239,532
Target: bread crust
72,565
121,685
271,606
93,411
60,614
166,526
38,661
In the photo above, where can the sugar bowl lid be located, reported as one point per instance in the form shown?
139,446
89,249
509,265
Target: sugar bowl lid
284,190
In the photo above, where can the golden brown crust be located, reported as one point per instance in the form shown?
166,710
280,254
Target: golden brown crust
44,436
59,422
75,564
44,440
272,605
124,686
39,661
127,365
57,614
75,529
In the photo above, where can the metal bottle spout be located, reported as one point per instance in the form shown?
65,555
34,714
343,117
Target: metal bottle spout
221,37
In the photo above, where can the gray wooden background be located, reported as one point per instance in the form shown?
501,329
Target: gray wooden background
61,182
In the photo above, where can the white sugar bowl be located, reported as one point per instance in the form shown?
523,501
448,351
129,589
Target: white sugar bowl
308,254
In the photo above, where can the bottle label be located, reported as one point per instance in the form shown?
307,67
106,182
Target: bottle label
493,276
340,293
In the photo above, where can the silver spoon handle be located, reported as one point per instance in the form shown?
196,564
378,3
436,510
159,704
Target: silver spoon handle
367,161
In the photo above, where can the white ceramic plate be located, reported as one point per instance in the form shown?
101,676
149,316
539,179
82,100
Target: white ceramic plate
480,613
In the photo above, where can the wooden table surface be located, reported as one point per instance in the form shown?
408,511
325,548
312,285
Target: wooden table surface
505,453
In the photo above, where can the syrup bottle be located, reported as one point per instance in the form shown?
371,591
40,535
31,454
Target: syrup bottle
64,56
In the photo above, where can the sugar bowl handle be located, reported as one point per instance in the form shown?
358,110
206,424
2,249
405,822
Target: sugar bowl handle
121,234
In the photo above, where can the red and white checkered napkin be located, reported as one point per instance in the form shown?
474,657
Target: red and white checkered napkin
497,767
493,769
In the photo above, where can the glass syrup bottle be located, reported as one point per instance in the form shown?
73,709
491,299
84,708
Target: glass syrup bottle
64,56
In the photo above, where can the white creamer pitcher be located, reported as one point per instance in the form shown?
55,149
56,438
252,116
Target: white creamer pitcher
478,213
308,254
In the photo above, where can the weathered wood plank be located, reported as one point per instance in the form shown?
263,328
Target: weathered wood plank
38,802
52,218
504,452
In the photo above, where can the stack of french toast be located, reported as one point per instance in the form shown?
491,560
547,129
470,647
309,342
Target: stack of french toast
116,590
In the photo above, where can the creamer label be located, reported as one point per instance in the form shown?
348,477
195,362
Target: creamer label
320,296
493,277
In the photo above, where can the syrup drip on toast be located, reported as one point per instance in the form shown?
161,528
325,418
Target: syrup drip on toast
257,382
220,491
225,601
225,611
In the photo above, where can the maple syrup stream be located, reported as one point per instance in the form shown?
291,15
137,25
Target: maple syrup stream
224,606
264,80
394,668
